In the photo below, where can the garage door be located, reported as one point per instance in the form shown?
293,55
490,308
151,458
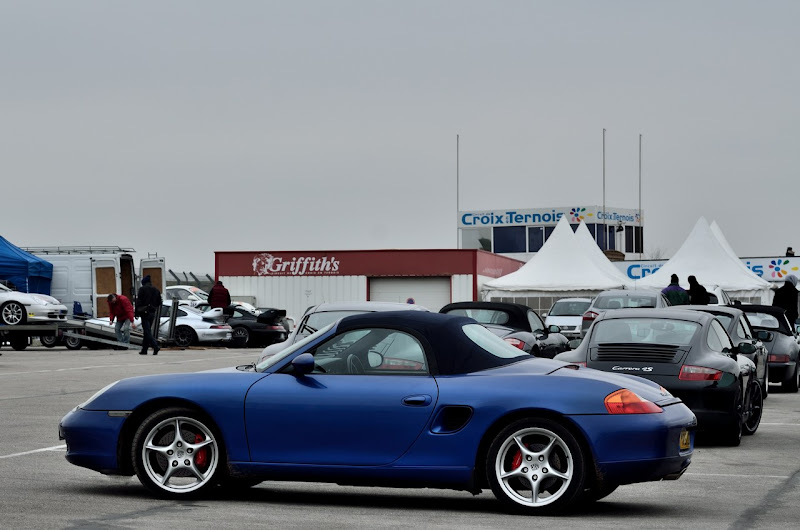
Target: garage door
432,293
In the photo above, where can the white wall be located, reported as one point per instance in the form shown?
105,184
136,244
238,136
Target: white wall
461,288
290,292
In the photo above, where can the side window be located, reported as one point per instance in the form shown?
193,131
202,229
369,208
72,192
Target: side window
238,313
181,313
717,338
371,351
535,322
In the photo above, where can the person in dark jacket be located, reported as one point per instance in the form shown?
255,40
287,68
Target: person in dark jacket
674,293
786,297
120,308
698,295
148,300
219,296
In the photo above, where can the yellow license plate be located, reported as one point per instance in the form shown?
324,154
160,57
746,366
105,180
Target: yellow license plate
685,440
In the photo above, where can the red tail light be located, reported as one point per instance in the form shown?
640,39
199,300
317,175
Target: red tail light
624,401
699,373
777,358
516,343
225,326
590,315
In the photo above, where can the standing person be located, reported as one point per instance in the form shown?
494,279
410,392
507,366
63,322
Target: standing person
674,293
697,293
786,297
219,296
120,308
789,252
147,301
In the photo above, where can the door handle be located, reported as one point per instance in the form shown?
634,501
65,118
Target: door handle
422,400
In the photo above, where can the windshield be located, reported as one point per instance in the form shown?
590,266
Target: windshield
320,320
763,320
644,331
484,316
568,308
491,342
283,354
617,301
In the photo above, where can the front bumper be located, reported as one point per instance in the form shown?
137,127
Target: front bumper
92,438
46,313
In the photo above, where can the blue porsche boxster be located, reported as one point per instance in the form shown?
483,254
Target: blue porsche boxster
407,399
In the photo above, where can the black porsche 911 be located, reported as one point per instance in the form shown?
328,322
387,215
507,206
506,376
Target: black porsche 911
774,330
517,324
690,354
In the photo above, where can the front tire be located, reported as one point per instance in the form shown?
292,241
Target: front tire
536,466
177,453
13,314
241,336
73,343
48,341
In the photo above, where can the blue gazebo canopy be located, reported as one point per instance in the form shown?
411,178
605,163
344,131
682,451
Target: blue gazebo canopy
27,272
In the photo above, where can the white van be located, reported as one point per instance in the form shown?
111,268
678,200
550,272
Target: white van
87,275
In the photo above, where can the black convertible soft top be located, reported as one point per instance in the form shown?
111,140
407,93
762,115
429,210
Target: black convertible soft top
449,349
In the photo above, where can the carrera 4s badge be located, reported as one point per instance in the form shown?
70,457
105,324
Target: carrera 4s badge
632,368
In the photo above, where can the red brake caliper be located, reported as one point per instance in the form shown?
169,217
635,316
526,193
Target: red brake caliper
201,456
517,460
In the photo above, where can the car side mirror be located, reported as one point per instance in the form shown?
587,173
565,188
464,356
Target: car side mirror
553,329
745,348
303,364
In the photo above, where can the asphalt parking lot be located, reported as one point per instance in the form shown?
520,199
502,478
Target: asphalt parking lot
756,485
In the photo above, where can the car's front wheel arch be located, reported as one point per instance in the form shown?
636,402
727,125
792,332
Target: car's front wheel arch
481,478
132,423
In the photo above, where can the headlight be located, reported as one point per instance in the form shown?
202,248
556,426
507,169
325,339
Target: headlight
96,395
40,301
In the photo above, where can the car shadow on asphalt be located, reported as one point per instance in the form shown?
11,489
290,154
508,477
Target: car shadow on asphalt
358,497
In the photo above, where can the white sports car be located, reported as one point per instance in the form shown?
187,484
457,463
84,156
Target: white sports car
18,308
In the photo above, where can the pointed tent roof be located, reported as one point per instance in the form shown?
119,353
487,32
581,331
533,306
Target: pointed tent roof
711,261
600,260
560,265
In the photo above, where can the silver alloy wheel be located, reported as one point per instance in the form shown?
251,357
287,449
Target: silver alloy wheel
180,455
13,314
534,467
48,341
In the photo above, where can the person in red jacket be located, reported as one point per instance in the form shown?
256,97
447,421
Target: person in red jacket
219,296
120,308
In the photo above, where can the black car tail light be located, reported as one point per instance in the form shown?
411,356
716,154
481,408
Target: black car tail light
699,373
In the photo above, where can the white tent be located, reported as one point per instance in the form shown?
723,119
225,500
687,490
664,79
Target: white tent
561,268
707,255
600,260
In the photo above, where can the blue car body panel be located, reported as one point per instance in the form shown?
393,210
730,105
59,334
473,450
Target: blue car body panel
390,428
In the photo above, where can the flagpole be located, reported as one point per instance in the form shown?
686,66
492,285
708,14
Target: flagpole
641,229
605,217
458,207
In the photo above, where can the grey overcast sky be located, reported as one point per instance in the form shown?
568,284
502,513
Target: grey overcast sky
185,127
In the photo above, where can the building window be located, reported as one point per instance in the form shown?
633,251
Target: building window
535,238
639,239
509,239
629,239
477,238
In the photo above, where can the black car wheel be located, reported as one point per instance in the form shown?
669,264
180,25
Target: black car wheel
765,384
18,342
790,384
185,336
177,453
48,341
73,343
755,408
241,336
536,466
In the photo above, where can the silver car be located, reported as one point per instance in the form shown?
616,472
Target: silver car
618,299
18,308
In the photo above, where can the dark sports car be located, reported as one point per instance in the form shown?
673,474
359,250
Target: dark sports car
779,337
738,327
517,324
410,399
687,352
253,330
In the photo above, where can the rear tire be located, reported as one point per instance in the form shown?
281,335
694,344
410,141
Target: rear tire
756,408
185,336
73,343
241,336
536,466
18,342
791,384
